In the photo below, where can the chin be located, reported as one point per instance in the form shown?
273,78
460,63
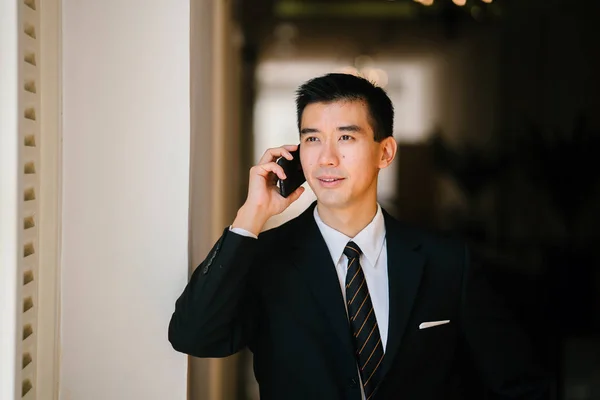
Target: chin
331,199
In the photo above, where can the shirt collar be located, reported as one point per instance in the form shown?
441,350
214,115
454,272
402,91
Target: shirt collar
370,239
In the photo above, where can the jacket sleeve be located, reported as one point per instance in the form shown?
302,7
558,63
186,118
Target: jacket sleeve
216,313
500,349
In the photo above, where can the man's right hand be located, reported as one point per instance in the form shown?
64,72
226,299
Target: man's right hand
264,200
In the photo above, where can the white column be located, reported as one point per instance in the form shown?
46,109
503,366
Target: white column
9,203
126,145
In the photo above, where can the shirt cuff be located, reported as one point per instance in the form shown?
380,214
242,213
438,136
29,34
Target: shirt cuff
243,232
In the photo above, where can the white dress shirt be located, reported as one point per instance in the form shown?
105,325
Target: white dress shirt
373,262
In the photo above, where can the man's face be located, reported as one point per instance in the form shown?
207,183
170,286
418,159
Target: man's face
339,155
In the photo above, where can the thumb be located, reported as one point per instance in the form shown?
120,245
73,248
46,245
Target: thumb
295,195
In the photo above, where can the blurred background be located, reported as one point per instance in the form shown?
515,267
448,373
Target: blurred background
138,121
496,118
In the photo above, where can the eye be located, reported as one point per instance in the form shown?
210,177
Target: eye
346,137
311,139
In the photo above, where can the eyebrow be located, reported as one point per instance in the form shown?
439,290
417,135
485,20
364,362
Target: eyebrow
345,128
350,128
306,131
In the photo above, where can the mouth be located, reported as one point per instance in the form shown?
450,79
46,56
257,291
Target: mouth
329,178
329,181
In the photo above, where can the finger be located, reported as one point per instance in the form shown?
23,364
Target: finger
285,153
290,147
265,169
272,180
276,152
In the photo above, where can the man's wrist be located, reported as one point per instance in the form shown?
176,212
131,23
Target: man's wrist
250,220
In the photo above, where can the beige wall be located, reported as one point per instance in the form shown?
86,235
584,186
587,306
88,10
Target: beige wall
48,340
125,197
215,176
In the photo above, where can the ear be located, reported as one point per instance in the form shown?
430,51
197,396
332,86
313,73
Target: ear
388,149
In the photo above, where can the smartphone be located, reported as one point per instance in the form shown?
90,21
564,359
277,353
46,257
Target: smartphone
293,172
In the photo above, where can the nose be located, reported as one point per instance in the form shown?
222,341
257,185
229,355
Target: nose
329,156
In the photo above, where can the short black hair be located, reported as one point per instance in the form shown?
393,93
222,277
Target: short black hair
345,87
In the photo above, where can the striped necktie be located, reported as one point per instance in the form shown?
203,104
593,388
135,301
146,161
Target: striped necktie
365,332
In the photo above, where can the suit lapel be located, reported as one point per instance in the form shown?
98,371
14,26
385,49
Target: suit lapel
313,260
311,257
405,267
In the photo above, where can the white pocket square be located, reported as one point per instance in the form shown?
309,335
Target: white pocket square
426,325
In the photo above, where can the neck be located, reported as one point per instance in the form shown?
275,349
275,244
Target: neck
348,220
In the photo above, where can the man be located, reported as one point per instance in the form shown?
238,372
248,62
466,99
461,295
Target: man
344,301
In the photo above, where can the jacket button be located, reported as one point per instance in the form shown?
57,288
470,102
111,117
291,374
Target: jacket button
210,261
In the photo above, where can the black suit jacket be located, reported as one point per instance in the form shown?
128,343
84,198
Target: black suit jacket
280,296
